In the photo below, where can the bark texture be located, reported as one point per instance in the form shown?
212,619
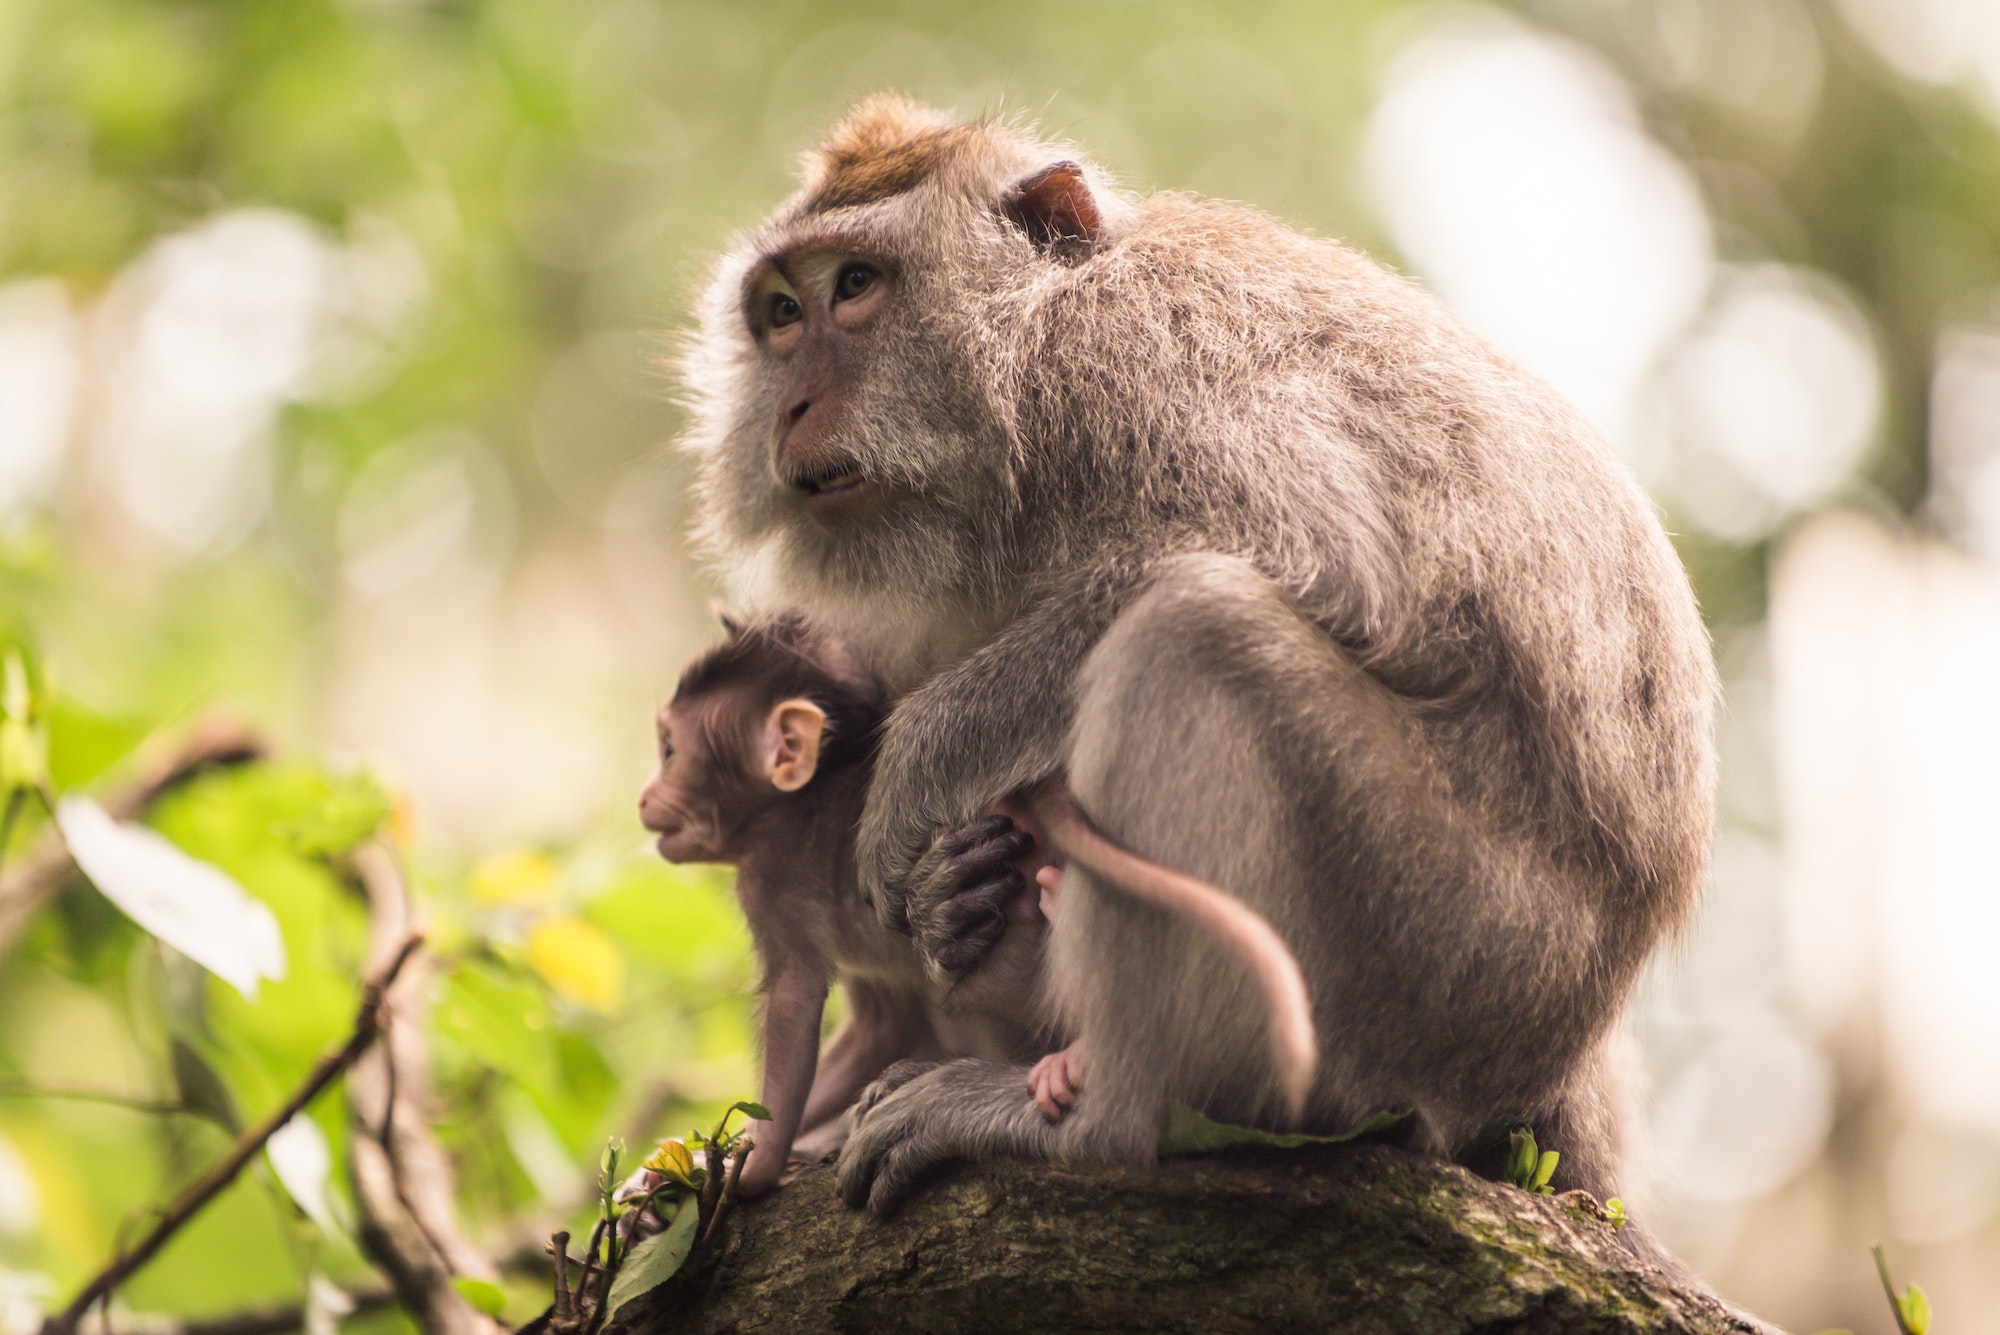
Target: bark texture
1343,1238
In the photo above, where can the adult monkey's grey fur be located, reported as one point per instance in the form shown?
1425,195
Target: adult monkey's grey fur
1311,595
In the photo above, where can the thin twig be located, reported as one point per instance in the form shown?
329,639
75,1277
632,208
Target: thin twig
203,1189
23,1089
592,1267
728,1197
403,1182
711,1181
1889,1287
565,1304
261,1320
15,801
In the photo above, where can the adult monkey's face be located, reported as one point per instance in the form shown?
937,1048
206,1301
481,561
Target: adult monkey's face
815,314
856,381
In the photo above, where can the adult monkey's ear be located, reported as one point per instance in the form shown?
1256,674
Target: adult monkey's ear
1055,208
791,743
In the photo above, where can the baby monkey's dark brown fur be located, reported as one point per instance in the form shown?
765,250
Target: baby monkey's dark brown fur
765,757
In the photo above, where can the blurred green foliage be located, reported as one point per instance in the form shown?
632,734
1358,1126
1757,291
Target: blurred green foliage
560,169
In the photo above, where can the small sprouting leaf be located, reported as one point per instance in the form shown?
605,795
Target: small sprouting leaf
1915,1309
483,1296
24,755
16,701
1614,1212
1545,1168
674,1161
607,1179
1912,1307
24,738
749,1109
1523,1158
1191,1132
655,1261
193,906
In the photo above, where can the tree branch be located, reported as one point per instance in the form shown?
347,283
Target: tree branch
204,1189
278,1320
402,1176
1361,1238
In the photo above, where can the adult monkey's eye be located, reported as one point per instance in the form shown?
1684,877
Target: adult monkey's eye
853,281
785,309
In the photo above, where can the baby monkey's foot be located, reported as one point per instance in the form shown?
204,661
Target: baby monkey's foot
1055,1081
1048,885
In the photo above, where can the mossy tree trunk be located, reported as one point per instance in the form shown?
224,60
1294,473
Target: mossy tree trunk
1344,1238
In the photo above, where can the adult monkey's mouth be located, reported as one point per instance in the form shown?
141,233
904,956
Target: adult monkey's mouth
833,479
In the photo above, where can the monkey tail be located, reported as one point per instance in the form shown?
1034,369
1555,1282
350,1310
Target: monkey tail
1241,929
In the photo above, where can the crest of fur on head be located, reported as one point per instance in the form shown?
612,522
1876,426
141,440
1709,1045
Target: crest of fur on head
886,145
889,145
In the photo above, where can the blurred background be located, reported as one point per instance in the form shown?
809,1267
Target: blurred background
334,391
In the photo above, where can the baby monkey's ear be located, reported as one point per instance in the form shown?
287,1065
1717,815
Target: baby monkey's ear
791,743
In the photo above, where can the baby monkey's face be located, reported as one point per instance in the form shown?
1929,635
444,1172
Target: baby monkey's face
723,762
680,802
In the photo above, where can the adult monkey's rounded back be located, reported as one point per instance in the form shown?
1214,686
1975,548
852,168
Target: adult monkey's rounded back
1309,593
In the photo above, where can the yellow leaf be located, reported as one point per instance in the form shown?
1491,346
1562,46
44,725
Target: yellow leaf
577,960
403,821
674,1160
520,877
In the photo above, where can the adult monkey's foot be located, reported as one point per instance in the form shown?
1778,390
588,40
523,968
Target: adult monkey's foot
964,1109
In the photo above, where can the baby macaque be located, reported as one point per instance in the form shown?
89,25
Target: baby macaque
765,756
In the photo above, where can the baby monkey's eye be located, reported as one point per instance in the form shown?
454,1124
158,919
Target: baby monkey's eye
784,309
853,281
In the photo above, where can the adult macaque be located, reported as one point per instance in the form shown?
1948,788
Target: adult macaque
1304,591
765,754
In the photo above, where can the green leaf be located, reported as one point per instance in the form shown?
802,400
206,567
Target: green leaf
1614,1212
655,1261
15,700
1191,1132
200,1088
1545,1168
1523,1159
1915,1309
483,1296
24,755
749,1109
348,809
84,743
